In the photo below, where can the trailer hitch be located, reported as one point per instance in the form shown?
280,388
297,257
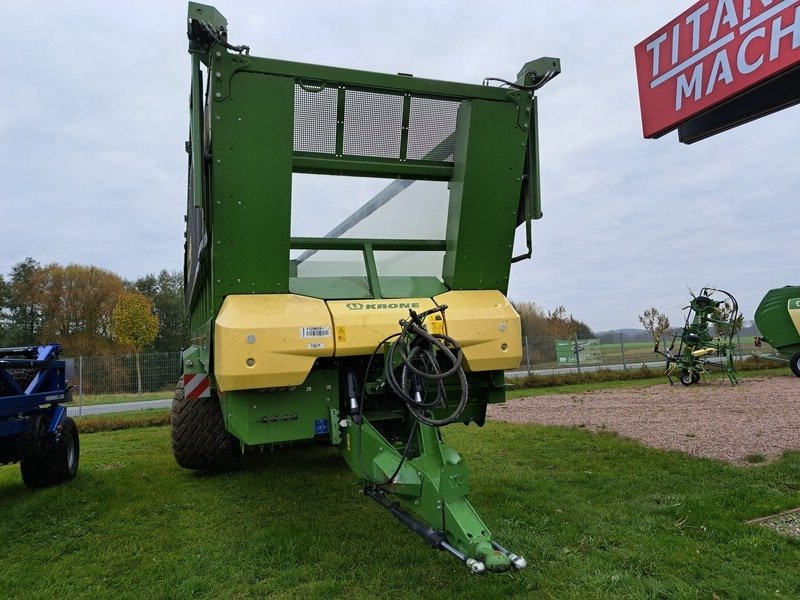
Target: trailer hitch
438,540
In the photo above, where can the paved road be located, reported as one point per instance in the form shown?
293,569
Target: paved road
584,369
657,364
101,409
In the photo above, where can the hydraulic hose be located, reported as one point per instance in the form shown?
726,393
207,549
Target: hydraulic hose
416,345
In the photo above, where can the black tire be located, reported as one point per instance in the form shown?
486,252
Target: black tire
199,438
695,377
687,378
47,459
794,363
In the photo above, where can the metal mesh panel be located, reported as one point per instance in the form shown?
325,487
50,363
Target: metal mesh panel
314,119
373,124
128,373
430,123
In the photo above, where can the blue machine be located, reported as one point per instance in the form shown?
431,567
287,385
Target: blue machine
34,427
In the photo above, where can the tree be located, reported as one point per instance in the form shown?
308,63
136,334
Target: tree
165,291
73,305
22,314
69,304
728,325
563,327
543,329
532,318
534,323
657,323
133,323
76,303
5,290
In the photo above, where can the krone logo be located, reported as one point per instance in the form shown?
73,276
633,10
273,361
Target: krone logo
381,305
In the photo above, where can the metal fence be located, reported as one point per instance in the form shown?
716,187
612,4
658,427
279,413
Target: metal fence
140,380
144,381
539,354
127,373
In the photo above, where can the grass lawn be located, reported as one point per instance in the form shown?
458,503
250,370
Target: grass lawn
595,515
123,420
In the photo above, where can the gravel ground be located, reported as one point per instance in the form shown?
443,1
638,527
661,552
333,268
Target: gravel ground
786,523
753,422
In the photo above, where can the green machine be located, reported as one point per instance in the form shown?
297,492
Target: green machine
778,321
700,347
348,249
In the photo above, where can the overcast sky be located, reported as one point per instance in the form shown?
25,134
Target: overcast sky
93,120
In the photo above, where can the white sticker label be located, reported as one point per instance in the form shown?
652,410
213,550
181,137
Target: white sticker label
315,332
315,345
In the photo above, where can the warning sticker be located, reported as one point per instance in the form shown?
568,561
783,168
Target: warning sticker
315,332
436,325
341,334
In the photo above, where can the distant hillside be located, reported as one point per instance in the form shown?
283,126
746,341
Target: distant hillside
641,335
628,335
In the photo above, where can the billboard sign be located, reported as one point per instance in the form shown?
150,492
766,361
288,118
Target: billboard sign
588,351
712,52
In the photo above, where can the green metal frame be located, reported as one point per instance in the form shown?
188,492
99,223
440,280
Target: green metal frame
242,159
242,155
690,361
433,486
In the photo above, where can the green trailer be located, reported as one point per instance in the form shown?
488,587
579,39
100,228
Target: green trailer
348,249
778,321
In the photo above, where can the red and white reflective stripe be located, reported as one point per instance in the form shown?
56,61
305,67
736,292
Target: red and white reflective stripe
196,386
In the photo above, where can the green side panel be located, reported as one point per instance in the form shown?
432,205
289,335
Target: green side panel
252,185
385,82
484,196
299,413
774,322
346,288
196,133
202,312
195,360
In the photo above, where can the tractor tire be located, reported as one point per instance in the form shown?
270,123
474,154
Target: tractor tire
45,461
794,363
687,378
199,438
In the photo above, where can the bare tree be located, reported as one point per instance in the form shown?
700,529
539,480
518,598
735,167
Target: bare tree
725,323
656,322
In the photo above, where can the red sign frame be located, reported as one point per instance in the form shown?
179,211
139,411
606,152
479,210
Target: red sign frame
710,53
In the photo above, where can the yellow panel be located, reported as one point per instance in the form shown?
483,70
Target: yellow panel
269,340
360,325
486,326
794,312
